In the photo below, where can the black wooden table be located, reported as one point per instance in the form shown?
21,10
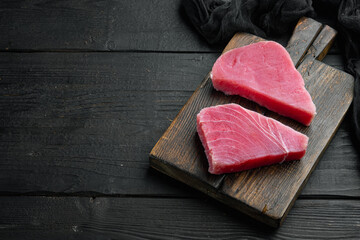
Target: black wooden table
87,89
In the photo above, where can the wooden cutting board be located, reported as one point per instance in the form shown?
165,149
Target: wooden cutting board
266,193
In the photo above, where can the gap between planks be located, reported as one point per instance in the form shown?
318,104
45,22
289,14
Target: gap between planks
199,195
102,51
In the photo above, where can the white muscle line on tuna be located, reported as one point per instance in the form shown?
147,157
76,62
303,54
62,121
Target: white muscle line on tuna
214,121
281,138
233,159
281,141
226,121
228,146
234,116
230,159
256,124
219,139
281,144
219,122
259,126
271,133
236,155
223,121
227,131
268,131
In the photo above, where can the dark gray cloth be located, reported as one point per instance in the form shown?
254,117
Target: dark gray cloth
349,27
219,20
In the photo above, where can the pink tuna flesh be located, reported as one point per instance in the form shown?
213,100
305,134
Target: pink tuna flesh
264,73
237,139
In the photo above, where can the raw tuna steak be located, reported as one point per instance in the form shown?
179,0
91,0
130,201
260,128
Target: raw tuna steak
237,139
264,73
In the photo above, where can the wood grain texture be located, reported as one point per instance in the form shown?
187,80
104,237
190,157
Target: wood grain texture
323,42
302,38
95,25
146,25
83,124
73,122
187,155
272,190
328,88
338,171
69,129
163,218
267,193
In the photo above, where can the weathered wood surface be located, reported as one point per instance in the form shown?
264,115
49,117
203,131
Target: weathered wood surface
305,33
96,25
146,25
74,122
43,150
163,218
80,141
268,193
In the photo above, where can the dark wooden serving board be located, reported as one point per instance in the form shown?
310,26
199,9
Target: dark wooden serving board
266,193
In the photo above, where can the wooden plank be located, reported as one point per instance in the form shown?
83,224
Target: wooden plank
303,36
89,127
323,42
322,82
185,160
328,88
266,193
165,218
98,26
41,217
337,173
151,25
77,140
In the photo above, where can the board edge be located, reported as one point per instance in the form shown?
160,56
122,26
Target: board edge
180,175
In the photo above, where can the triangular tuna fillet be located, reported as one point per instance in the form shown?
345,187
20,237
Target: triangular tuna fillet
237,139
264,73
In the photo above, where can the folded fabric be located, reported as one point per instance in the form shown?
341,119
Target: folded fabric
219,20
349,26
